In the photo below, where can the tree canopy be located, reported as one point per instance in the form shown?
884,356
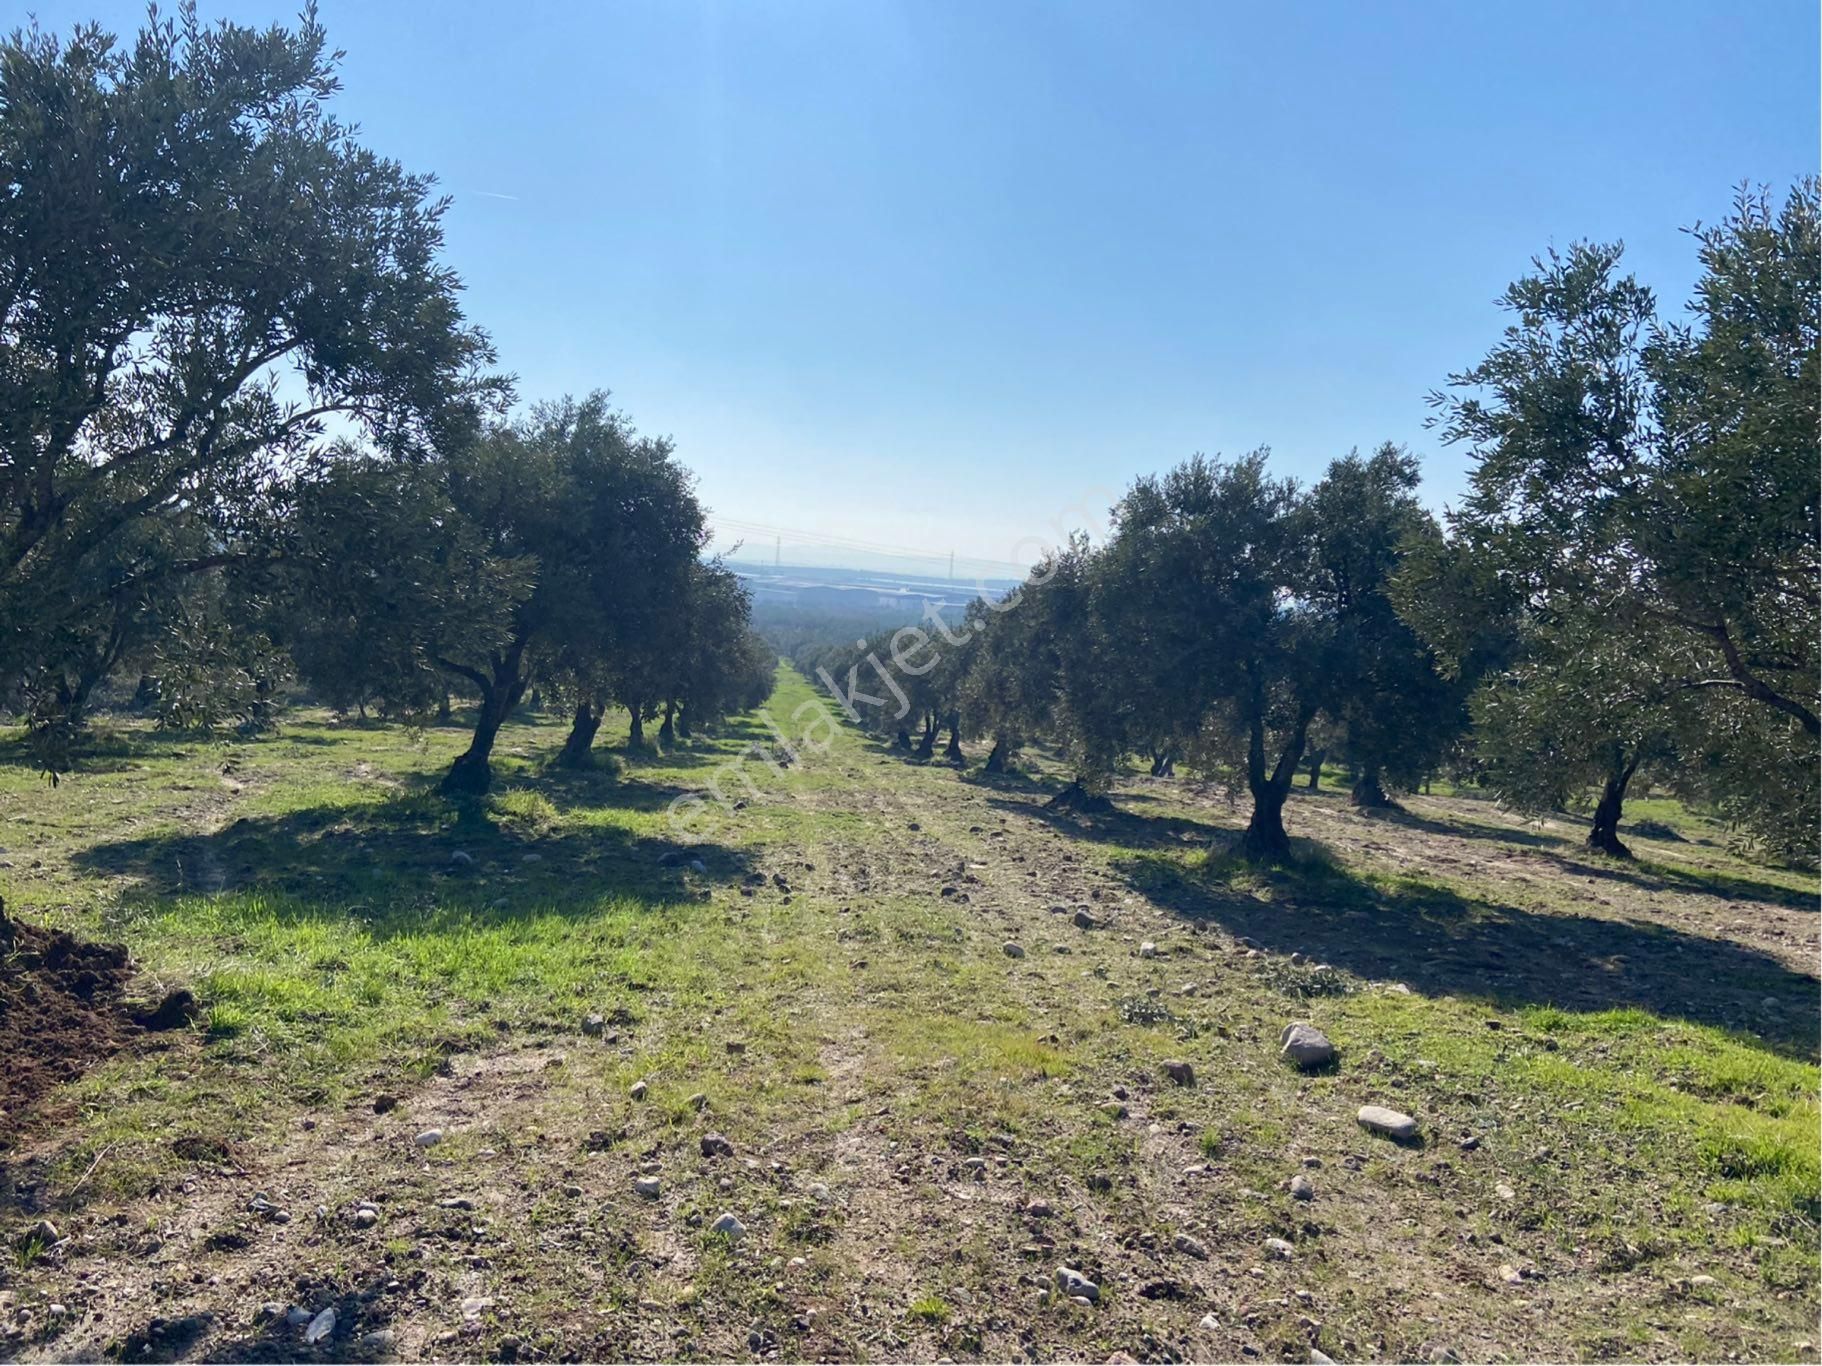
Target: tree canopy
1645,494
200,268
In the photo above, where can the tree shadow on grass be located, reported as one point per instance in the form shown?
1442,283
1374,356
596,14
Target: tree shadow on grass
1646,874
1441,943
113,751
679,757
1462,828
742,728
1010,780
1653,876
1126,828
505,851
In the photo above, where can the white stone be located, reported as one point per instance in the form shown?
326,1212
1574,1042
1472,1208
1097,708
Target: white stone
320,1327
1391,1123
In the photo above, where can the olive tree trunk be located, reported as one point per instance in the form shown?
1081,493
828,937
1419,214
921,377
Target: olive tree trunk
1368,790
926,745
996,757
500,692
579,748
1265,838
1604,833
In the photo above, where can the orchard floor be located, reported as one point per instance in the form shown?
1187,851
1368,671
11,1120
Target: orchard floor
1612,1064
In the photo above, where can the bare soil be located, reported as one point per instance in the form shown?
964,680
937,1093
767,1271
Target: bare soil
61,1011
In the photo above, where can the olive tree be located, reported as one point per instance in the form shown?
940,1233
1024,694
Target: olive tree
1647,491
1202,592
611,524
200,268
1391,709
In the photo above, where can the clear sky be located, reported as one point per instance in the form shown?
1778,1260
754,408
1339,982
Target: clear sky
948,274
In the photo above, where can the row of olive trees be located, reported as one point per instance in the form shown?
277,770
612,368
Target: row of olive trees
1229,614
1630,584
562,551
246,430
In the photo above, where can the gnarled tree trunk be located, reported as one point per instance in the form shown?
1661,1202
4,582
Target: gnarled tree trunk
579,748
1368,791
1315,761
1265,838
953,752
996,757
635,735
667,733
1604,833
500,692
926,746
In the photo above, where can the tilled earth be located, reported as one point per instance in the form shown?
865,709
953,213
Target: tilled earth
61,1010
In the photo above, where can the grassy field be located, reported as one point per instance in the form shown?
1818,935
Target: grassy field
937,1086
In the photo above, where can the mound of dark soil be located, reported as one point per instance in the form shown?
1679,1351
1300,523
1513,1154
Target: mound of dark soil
60,1012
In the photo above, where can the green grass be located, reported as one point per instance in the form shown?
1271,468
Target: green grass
1611,1060
929,1308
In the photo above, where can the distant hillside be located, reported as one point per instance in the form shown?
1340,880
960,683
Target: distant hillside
860,591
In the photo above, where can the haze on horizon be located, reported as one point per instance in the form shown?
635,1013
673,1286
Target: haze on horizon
945,277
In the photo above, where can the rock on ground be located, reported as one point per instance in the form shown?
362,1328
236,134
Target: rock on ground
322,1326
1190,1247
1306,1046
1392,1123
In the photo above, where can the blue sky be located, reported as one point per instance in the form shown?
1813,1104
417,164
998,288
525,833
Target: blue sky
948,275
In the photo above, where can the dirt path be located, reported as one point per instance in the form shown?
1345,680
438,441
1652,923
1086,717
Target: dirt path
926,1125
